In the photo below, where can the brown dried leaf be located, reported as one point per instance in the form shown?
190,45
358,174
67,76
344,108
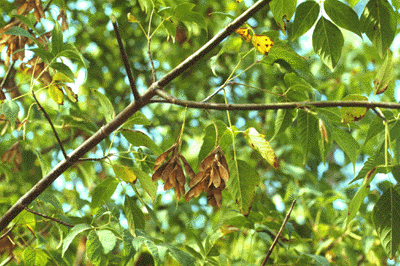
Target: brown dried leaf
198,178
223,172
180,176
195,191
188,168
216,178
207,162
169,168
160,159
157,174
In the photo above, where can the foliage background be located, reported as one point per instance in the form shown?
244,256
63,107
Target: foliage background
116,227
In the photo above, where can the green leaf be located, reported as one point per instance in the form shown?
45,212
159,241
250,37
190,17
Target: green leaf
282,10
63,68
209,139
62,77
106,105
352,114
77,229
359,197
70,51
46,56
180,256
103,191
307,126
137,118
324,139
29,256
56,38
123,172
94,249
43,163
284,118
71,95
306,16
56,94
342,15
375,127
146,5
27,22
242,184
352,2
285,56
184,13
321,260
192,251
146,182
133,214
107,240
258,142
22,32
385,74
153,250
138,138
386,217
51,199
347,143
379,22
327,42
373,161
10,109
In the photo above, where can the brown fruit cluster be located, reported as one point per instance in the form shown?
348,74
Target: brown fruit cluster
213,174
211,178
171,170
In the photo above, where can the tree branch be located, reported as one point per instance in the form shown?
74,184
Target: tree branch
51,124
132,108
48,217
125,60
168,98
279,233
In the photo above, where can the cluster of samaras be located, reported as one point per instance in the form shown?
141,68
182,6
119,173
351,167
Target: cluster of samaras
213,173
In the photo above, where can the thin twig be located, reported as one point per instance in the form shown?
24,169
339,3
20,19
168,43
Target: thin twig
125,60
48,217
51,124
96,159
279,233
168,98
6,233
6,76
379,113
153,70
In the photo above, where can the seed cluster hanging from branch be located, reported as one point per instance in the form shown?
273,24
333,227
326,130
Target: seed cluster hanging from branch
213,173
171,170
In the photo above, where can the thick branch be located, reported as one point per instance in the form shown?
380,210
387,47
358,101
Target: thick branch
271,106
132,108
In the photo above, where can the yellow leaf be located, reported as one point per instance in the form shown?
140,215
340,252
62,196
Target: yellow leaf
56,93
262,43
131,18
258,142
244,32
62,77
124,172
352,114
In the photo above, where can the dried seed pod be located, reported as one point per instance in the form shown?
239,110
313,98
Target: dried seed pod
211,178
171,170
